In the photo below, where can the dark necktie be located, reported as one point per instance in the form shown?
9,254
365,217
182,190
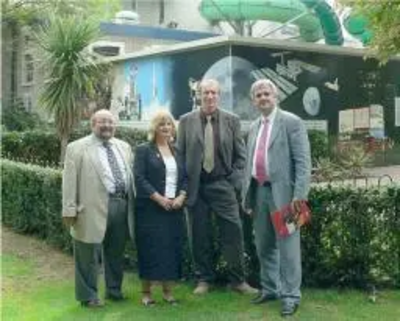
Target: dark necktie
115,169
208,162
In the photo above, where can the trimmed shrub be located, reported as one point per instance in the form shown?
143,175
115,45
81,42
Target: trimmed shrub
353,239
43,147
31,202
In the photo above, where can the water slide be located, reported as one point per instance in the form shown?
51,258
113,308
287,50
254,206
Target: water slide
315,18
357,26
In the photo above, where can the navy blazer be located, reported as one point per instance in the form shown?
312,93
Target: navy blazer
149,171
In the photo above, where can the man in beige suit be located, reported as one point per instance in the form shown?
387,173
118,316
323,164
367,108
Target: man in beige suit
97,196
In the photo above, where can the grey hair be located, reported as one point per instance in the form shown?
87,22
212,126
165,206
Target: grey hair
99,113
209,81
263,83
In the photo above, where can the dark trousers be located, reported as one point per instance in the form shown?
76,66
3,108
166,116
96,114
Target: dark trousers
217,197
87,255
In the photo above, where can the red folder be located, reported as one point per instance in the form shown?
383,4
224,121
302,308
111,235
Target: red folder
286,220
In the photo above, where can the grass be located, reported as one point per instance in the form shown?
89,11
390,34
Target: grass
25,297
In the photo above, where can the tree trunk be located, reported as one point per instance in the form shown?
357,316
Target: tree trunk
64,143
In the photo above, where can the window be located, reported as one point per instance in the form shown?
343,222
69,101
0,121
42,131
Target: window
29,69
28,102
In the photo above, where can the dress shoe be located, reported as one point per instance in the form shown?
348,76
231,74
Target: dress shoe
263,297
289,308
201,288
244,288
171,301
148,302
92,304
113,297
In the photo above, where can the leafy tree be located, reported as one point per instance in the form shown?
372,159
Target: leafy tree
383,18
18,14
72,72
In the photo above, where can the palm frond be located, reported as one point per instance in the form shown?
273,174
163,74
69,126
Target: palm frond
71,70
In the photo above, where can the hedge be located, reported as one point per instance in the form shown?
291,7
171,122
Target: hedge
353,240
43,147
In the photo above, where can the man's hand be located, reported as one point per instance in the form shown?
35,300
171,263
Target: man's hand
177,203
248,211
69,221
296,207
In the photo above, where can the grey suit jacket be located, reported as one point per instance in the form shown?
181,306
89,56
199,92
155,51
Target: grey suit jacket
191,145
84,193
289,160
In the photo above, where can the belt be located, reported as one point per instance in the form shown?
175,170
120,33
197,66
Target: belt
266,183
119,195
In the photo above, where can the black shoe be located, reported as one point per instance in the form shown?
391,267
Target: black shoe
113,297
289,308
262,297
171,301
92,304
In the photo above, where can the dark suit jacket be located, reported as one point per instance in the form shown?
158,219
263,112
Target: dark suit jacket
191,145
149,171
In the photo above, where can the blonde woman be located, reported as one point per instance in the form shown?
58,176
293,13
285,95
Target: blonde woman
161,186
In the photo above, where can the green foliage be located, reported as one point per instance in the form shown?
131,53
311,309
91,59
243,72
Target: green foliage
16,118
43,147
26,12
72,72
31,201
383,20
319,142
353,239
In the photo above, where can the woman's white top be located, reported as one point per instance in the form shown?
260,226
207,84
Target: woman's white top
171,176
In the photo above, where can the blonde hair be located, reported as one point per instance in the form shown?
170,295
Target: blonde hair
160,116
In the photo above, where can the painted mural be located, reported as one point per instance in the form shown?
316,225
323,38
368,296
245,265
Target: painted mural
332,92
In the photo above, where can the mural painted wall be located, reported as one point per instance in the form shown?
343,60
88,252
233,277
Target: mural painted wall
339,93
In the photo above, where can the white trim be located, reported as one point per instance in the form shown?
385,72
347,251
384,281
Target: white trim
245,41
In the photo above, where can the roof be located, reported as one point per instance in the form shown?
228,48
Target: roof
242,41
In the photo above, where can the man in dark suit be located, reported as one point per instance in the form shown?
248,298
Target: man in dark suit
214,153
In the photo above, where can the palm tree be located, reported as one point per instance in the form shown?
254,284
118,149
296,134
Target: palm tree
71,71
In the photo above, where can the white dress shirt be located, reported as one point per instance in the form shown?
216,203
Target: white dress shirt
271,119
171,176
109,178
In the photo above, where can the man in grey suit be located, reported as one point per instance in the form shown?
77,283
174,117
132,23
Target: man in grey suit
97,201
214,153
277,173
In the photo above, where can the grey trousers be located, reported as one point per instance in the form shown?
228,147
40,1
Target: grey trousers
280,259
218,197
87,255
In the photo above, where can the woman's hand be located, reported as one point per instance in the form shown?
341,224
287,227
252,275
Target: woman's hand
177,203
164,202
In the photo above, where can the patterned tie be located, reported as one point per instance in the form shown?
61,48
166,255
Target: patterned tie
261,171
115,170
208,162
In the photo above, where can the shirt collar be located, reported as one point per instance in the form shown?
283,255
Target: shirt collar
271,116
99,142
214,115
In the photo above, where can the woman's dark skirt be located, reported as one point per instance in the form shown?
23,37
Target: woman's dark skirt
159,238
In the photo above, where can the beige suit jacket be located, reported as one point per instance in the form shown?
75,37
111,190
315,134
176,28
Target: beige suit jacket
84,193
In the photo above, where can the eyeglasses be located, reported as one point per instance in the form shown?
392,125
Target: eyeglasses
266,94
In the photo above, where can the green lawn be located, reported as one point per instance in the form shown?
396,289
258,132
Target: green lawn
27,297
